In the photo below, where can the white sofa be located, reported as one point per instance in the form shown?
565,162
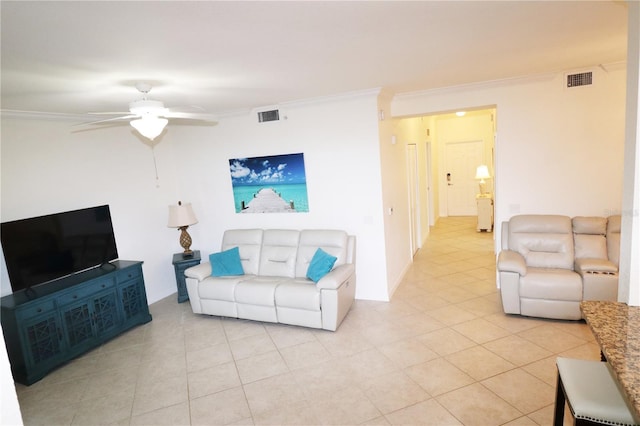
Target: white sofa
550,263
274,286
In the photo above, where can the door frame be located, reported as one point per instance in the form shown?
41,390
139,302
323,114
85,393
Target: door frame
413,198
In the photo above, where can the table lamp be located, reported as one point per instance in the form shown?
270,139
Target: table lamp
482,173
181,216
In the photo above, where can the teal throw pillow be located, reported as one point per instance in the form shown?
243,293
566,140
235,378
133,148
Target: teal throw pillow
321,264
226,263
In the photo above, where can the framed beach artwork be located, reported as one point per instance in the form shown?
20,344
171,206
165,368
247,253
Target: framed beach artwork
270,184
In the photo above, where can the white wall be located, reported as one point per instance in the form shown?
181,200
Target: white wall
339,140
46,168
557,151
395,199
416,131
629,287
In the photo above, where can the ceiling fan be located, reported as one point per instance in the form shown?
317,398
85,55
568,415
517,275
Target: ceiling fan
149,117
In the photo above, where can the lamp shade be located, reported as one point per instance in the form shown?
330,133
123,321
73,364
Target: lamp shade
181,215
482,172
149,126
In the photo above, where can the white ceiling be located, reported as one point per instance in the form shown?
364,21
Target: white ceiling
72,57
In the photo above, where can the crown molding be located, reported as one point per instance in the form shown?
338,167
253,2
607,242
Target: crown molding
41,115
613,66
54,116
303,102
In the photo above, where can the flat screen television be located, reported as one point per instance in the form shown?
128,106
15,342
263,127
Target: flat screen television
44,248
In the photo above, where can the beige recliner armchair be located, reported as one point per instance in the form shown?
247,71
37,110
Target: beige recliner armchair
550,263
535,268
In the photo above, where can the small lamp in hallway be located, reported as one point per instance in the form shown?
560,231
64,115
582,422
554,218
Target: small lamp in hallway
482,173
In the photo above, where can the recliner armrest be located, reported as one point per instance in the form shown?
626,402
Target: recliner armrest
595,266
511,261
336,277
199,272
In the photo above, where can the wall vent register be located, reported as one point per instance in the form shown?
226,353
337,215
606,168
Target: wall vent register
580,79
264,116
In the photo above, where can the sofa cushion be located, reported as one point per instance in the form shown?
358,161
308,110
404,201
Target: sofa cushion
219,288
278,256
226,263
298,294
333,242
257,291
551,284
545,241
320,265
592,225
589,237
590,246
249,241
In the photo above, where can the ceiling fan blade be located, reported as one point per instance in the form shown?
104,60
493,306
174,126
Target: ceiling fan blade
107,120
190,116
149,108
110,113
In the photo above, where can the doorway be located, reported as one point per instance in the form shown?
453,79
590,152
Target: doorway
465,141
444,143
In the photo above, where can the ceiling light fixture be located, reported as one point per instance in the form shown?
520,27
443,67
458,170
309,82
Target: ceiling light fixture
460,113
149,126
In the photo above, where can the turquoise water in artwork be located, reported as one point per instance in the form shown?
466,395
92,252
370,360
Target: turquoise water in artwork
292,192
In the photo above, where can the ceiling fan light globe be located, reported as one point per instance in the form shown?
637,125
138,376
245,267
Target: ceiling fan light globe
149,126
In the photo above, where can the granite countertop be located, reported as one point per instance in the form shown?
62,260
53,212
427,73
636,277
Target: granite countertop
616,327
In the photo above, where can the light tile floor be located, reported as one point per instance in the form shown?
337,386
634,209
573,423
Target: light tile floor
440,353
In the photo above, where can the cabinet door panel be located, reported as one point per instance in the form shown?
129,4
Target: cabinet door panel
105,313
43,339
91,318
77,324
133,298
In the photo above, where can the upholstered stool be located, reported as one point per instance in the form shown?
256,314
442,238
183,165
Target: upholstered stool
592,393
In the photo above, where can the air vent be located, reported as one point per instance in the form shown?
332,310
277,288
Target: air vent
580,79
264,116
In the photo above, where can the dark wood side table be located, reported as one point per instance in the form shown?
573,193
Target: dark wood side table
180,263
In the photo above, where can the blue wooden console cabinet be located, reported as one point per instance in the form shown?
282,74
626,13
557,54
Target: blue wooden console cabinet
60,320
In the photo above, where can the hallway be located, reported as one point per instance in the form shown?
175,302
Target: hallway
488,363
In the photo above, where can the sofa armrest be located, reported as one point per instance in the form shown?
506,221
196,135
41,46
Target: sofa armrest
595,266
336,277
199,272
511,261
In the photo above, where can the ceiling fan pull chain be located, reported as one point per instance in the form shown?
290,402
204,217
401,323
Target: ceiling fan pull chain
155,165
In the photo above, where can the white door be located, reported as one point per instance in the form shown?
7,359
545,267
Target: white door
414,210
462,159
430,202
